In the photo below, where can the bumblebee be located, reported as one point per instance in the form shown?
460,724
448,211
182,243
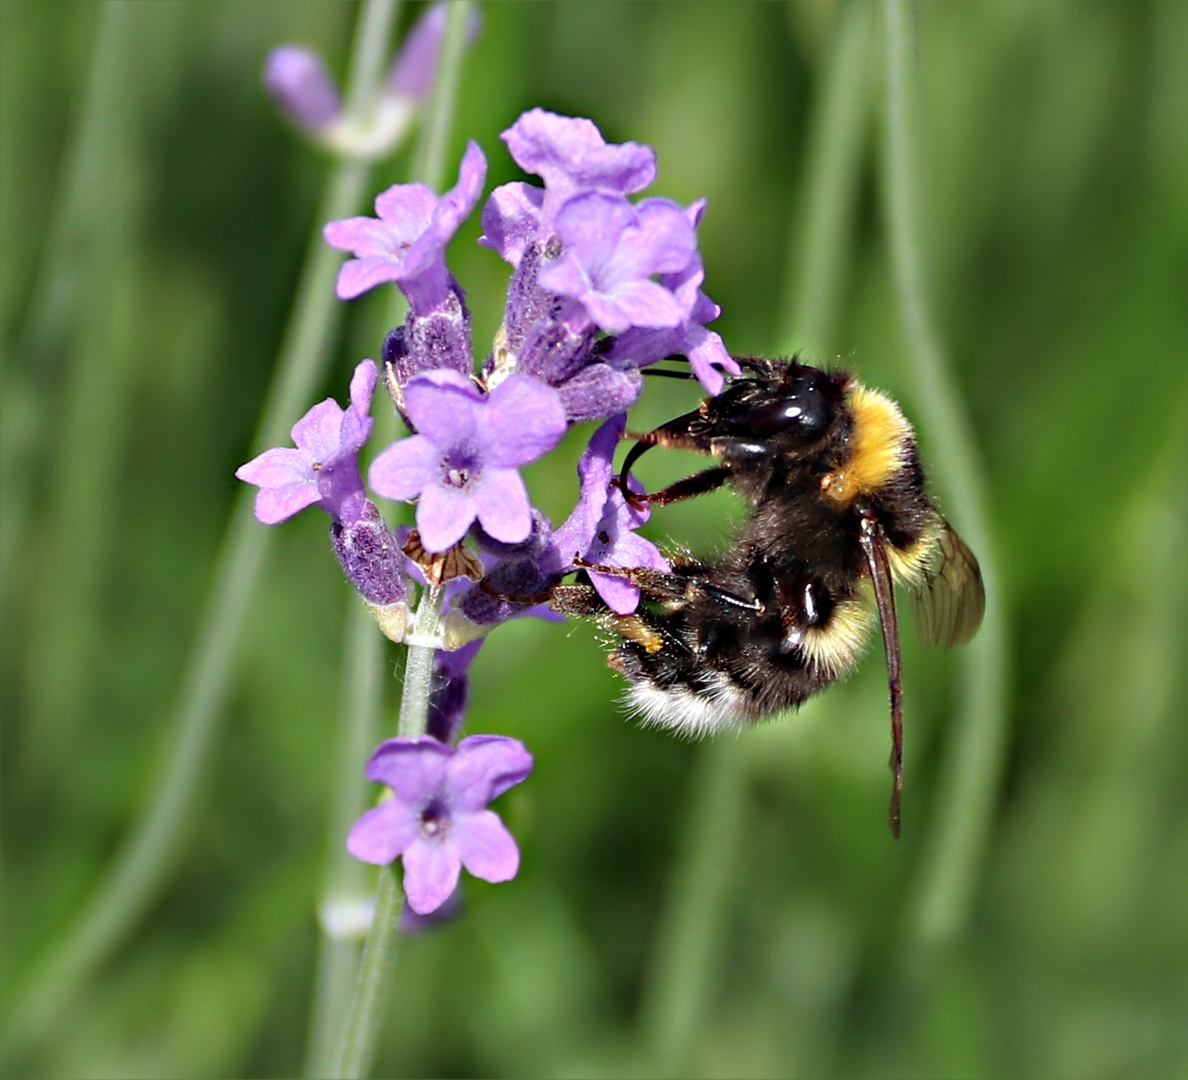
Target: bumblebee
838,514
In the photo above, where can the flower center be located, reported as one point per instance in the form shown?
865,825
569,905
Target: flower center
459,466
435,820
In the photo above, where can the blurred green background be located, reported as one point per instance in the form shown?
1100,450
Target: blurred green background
138,339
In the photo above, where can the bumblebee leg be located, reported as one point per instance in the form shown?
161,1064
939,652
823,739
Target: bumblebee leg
671,588
698,484
583,602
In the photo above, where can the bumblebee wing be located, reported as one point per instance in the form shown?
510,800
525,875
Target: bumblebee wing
949,600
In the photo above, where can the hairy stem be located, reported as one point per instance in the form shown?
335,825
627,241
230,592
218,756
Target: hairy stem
346,905
367,1006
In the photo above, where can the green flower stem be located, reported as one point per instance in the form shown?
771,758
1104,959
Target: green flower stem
346,898
682,968
371,989
365,1017
151,849
973,759
367,1006
819,247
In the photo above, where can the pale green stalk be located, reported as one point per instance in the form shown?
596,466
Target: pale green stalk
819,246
683,967
345,903
961,814
361,1037
150,851
367,1005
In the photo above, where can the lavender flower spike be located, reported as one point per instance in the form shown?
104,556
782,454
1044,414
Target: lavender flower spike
324,468
462,462
437,820
407,243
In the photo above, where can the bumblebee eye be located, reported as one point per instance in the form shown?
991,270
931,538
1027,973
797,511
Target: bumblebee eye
807,413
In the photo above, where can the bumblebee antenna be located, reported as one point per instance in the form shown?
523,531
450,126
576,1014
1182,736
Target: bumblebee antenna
874,547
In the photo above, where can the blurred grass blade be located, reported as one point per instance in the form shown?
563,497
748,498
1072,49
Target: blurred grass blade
684,963
823,226
149,852
964,805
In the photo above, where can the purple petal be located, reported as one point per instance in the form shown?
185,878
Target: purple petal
483,768
382,833
620,595
665,242
316,433
591,225
707,354
274,505
595,470
414,769
523,420
444,513
431,872
486,848
363,236
363,384
277,468
632,303
358,275
298,81
500,501
445,407
570,154
511,220
405,211
405,468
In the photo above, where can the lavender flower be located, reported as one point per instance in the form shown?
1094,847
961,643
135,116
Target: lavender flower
437,820
707,355
407,243
587,260
611,249
602,527
463,462
324,468
571,156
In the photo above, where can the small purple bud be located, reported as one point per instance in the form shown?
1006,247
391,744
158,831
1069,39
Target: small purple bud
298,81
371,557
415,68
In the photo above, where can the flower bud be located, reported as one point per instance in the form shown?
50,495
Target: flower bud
298,81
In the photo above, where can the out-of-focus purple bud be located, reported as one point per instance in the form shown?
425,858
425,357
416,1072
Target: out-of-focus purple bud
416,64
300,84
